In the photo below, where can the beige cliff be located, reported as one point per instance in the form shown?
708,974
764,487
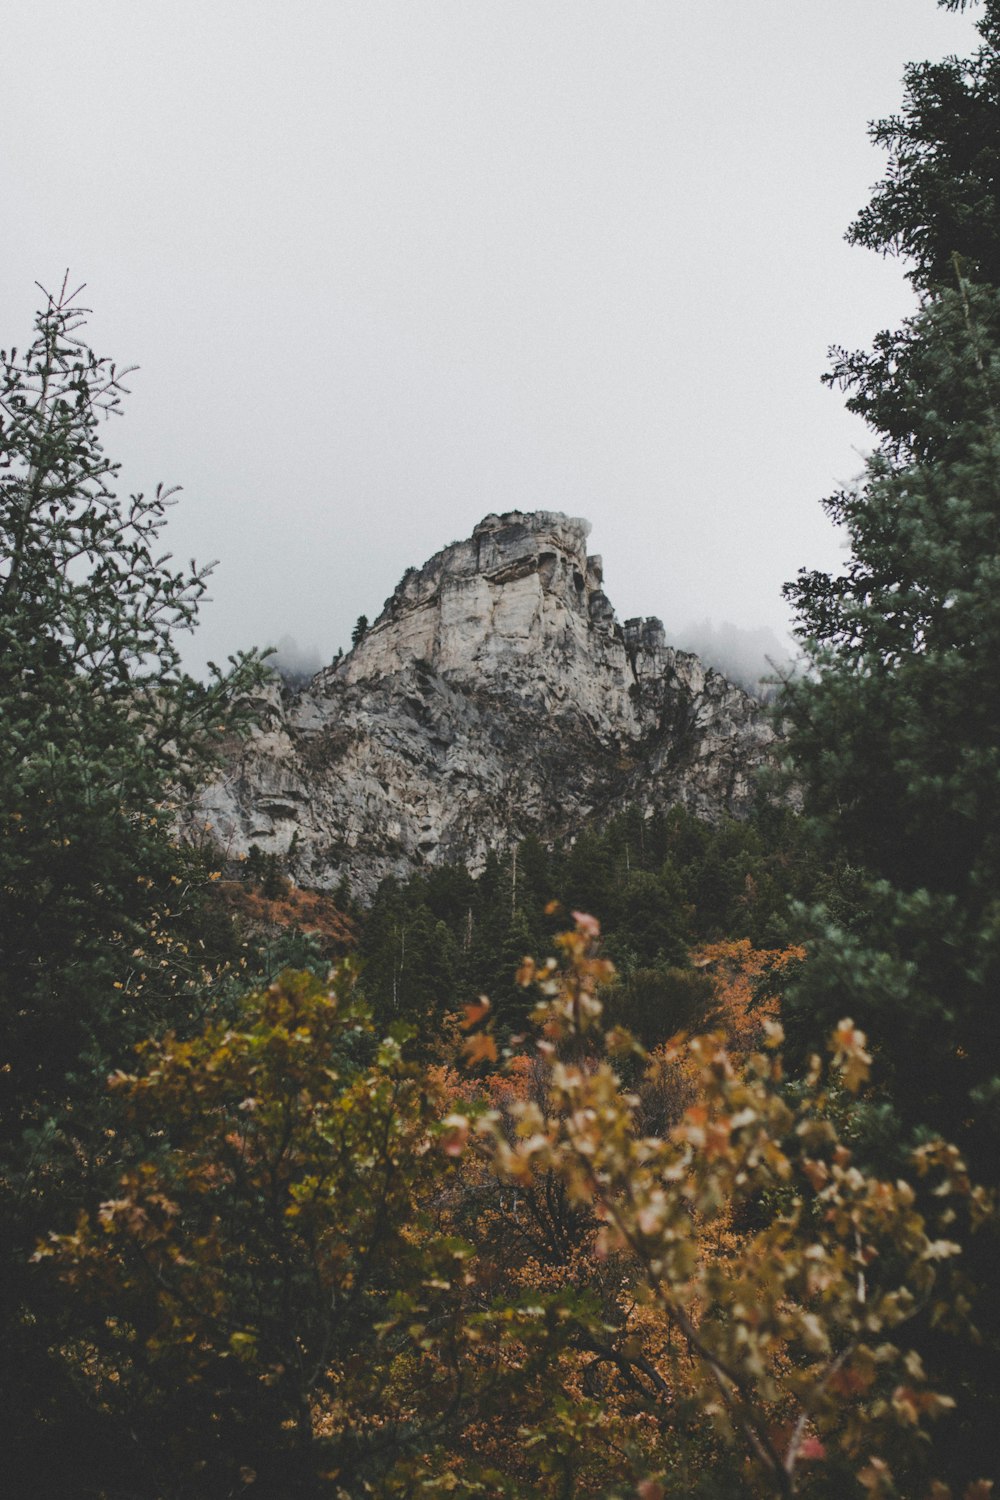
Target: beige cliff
495,695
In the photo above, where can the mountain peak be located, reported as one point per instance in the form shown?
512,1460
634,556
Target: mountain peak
495,695
521,584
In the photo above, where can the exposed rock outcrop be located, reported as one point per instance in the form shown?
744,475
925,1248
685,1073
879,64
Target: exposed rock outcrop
494,696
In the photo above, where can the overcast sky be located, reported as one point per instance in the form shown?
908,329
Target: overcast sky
387,265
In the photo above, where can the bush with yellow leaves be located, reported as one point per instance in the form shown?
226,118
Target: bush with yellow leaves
800,1340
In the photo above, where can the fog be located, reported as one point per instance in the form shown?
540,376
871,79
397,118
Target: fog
295,663
388,265
755,659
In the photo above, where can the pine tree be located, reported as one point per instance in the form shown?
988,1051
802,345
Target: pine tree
100,728
895,733
941,193
895,730
99,725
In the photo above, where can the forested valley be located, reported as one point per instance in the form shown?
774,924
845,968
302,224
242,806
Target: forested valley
661,1162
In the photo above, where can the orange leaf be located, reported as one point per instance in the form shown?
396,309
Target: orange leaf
480,1048
474,1013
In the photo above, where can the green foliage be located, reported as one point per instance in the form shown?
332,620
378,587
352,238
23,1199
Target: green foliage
410,958
103,935
896,733
941,193
895,737
243,1285
894,730
661,885
97,720
657,1003
275,1298
264,870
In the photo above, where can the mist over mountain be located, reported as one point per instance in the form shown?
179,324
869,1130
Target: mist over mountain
295,663
753,659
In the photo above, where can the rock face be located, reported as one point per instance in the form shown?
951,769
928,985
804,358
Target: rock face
496,695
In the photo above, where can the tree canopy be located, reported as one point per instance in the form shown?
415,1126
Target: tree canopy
100,726
102,930
893,732
940,196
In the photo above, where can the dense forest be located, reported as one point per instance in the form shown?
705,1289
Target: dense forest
661,1164
662,886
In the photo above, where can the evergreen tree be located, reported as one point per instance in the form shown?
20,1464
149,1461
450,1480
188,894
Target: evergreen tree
894,730
940,196
99,727
101,938
652,925
895,733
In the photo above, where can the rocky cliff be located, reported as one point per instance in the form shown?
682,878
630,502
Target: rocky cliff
494,696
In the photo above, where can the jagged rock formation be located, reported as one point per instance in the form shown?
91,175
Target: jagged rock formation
494,696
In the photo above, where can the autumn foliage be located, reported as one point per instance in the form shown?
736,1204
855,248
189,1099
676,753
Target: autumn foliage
273,1220
327,1271
759,1276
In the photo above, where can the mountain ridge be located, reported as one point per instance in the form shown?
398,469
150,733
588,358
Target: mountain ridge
495,695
